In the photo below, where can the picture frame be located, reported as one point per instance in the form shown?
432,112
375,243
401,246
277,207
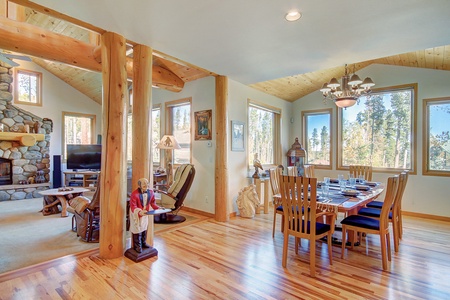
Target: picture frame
203,125
237,136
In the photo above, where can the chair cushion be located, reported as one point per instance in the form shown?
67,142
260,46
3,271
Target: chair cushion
320,228
79,204
370,212
362,221
279,208
375,204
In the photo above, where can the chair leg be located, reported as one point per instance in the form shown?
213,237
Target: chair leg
274,221
297,242
388,242
383,250
344,233
400,225
330,250
395,231
285,249
312,258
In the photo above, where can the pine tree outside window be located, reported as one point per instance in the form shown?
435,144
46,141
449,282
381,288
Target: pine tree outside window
317,137
380,131
436,135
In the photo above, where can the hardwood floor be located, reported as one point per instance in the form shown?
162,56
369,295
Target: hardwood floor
240,260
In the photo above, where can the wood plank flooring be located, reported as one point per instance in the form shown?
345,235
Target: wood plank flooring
240,260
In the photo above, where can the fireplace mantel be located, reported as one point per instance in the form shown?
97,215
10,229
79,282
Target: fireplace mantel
26,139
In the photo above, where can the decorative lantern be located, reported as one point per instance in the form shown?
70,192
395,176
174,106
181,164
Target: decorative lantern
296,157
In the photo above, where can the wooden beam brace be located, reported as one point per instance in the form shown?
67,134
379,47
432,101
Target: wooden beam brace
34,41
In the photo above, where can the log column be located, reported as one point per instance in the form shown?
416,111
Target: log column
221,171
142,125
113,174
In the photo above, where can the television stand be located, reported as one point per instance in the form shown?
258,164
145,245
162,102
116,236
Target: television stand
86,179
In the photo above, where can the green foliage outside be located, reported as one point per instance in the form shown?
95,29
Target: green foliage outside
260,131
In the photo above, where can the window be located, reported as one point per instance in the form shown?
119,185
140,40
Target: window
156,134
27,87
179,122
436,135
156,137
380,131
78,129
263,134
317,137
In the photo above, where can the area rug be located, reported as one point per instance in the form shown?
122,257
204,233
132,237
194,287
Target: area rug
28,237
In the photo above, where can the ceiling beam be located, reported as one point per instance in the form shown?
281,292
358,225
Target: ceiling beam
34,41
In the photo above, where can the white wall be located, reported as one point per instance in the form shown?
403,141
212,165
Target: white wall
57,96
423,194
238,161
203,96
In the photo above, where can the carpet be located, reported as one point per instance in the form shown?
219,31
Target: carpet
27,237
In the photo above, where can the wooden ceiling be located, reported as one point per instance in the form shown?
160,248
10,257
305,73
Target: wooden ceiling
294,87
288,88
89,82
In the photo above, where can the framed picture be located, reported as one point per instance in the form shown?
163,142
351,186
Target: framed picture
203,125
237,136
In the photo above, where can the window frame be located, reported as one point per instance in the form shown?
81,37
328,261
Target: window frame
276,128
38,76
324,111
157,107
92,117
169,127
413,169
426,136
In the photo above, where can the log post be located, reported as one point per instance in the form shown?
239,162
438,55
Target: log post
113,174
221,169
142,125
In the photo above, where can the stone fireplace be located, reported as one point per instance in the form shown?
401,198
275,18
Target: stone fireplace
23,154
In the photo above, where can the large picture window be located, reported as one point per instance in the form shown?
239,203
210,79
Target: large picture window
380,131
78,129
317,137
436,134
179,124
263,134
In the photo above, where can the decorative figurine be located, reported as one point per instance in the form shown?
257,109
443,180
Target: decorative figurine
248,201
257,165
141,201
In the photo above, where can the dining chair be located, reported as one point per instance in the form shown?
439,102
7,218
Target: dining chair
300,217
379,204
274,175
309,171
357,170
368,225
292,171
394,214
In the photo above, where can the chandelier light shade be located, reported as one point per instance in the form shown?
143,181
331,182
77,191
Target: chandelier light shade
346,93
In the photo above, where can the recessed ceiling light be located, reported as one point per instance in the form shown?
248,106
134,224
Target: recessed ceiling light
293,15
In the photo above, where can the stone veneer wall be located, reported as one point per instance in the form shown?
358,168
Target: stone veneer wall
25,160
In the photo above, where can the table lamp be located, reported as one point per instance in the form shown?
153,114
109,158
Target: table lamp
168,143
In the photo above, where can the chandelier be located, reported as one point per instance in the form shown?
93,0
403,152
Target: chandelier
346,94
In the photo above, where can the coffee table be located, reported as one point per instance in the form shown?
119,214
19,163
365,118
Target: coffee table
62,196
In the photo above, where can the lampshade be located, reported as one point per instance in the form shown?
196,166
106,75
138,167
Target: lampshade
168,142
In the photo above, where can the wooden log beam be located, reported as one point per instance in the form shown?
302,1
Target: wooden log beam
221,168
142,125
34,41
114,163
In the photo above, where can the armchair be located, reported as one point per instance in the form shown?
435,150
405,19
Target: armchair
183,178
87,216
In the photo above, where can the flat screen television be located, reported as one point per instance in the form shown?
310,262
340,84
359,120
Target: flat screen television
84,157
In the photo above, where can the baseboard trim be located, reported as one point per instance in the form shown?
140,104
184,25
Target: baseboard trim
426,216
198,212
